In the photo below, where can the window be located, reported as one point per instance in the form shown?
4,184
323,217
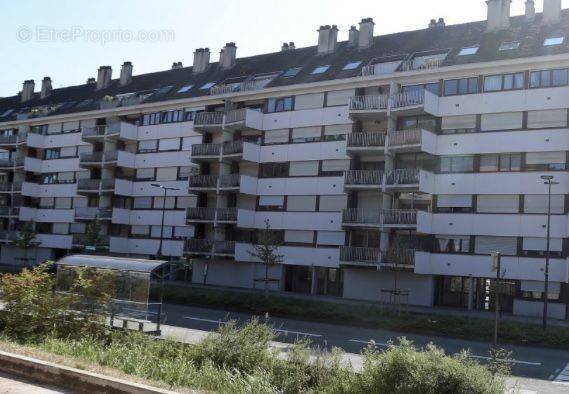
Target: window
147,146
271,203
279,104
334,167
553,41
303,168
51,154
208,86
169,144
309,101
320,70
292,72
544,161
458,124
296,236
274,170
509,46
505,162
173,116
454,164
548,78
151,119
538,246
454,87
352,65
547,119
454,203
466,51
184,89
498,203
448,244
494,83
538,203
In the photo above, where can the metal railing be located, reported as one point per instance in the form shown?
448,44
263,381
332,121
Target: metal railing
12,139
391,217
232,147
10,187
405,137
354,254
227,214
407,176
198,245
224,247
95,157
407,99
429,64
88,184
8,211
236,115
112,155
361,216
368,103
205,181
108,184
222,89
93,212
200,214
399,217
232,180
364,140
206,150
363,177
208,119
94,131
404,257
13,162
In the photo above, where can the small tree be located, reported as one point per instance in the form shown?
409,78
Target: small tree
26,239
266,250
93,239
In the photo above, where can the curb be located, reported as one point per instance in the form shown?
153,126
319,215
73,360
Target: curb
69,378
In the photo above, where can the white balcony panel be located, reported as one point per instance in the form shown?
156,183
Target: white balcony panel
169,130
134,245
303,152
162,159
315,221
145,189
148,217
58,165
518,268
47,215
251,152
495,102
304,118
505,141
295,255
56,241
55,140
36,190
301,186
499,183
500,225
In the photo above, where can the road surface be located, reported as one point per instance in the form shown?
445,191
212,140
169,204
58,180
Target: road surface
12,385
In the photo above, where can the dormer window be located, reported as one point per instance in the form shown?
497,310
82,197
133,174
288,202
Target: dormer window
320,70
352,65
551,41
208,86
509,46
292,72
468,51
184,89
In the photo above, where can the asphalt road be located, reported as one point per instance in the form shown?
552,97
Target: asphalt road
527,362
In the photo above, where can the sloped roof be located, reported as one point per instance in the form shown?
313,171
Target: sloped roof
112,263
452,38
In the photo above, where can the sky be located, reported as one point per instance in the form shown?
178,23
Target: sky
69,39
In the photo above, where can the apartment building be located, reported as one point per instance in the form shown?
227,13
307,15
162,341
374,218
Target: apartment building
388,168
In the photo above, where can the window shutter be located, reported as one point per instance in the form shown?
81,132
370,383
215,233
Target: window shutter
305,237
63,202
538,286
308,101
339,97
185,232
506,245
187,143
169,144
303,168
167,174
503,121
540,244
145,173
65,176
333,203
498,203
335,238
271,201
545,158
279,136
537,203
67,126
147,145
69,151
306,132
77,228
454,201
335,165
549,118
60,228
142,203
337,129
301,203
459,122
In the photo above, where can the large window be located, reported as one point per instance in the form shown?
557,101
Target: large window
504,162
279,104
455,87
452,244
548,78
546,161
494,83
274,170
454,164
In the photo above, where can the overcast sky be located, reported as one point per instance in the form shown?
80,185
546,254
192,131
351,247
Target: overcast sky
69,39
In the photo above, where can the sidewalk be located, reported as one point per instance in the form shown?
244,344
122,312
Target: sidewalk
440,311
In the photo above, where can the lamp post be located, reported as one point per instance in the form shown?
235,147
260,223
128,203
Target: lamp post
549,182
165,188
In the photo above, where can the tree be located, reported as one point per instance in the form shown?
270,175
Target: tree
266,250
26,239
93,239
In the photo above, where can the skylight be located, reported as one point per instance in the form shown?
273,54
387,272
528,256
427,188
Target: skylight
6,113
509,46
208,86
292,72
184,89
468,51
553,41
352,65
320,70
163,90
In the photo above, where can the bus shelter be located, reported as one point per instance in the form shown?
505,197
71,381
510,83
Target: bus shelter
134,286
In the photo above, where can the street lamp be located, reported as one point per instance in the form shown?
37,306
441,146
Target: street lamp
165,188
549,182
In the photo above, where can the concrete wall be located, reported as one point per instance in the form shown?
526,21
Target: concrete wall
233,274
366,285
535,309
12,256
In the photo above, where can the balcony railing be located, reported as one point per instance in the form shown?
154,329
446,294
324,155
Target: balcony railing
232,180
407,99
353,254
395,257
428,64
112,155
8,235
363,178
206,150
236,115
233,147
9,211
203,181
206,214
94,131
405,137
399,217
198,246
10,187
227,214
13,162
385,217
368,103
93,212
209,119
407,176
12,139
108,184
88,184
224,247
95,157
365,140
361,216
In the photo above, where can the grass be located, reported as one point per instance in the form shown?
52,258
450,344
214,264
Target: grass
369,316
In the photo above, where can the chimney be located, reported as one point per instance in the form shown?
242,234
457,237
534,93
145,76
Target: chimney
126,73
441,22
353,37
28,90
551,11
177,65
285,47
327,39
91,81
291,46
227,56
45,87
366,33
433,24
498,15
201,60
104,77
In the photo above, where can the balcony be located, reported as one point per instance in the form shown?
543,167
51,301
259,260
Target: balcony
368,107
208,247
95,185
13,163
363,179
206,152
94,158
386,218
414,140
398,259
92,213
229,182
360,257
8,141
203,182
209,121
9,211
366,143
403,179
211,215
407,103
114,130
243,118
11,187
